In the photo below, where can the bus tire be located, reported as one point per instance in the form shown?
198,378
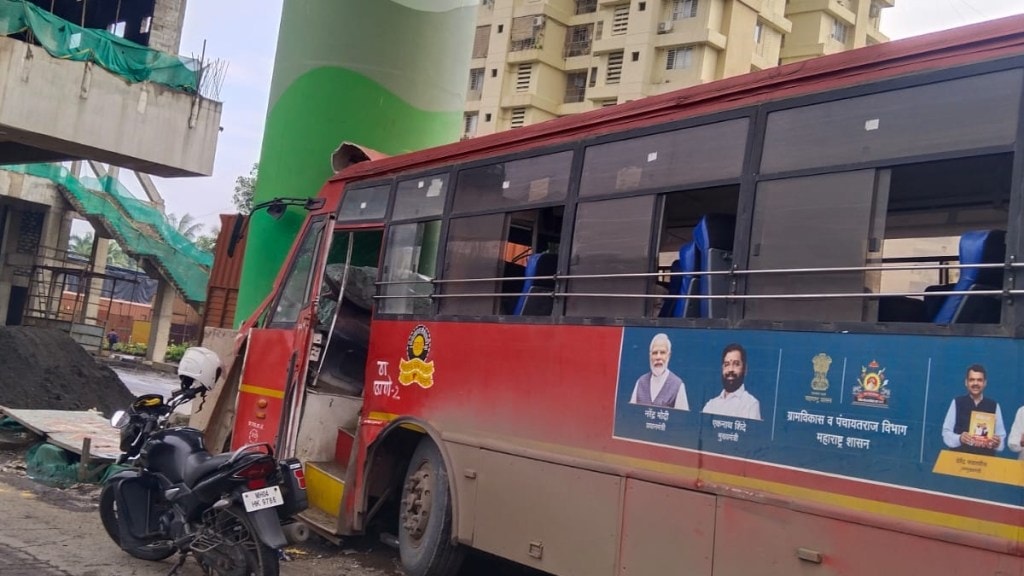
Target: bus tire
425,518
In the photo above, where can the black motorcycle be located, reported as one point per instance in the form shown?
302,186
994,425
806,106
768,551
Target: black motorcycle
225,510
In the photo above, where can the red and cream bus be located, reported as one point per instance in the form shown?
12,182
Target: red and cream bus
767,325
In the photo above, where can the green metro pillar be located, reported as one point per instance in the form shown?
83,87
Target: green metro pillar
390,75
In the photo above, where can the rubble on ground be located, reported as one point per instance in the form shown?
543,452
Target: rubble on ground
43,368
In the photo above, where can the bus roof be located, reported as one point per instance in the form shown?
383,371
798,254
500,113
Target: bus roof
986,41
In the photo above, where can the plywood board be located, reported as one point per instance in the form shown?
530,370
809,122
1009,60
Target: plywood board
68,429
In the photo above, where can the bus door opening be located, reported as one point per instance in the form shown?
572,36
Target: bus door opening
339,347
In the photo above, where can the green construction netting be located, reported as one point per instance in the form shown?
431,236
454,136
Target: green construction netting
141,230
54,466
131,61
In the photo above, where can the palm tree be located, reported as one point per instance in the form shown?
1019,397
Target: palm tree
81,244
208,242
186,225
116,256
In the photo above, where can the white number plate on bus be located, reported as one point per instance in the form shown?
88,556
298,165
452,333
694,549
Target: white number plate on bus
263,498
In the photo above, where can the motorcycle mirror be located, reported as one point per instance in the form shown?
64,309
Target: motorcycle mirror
119,419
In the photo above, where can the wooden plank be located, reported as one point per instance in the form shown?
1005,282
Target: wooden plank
69,429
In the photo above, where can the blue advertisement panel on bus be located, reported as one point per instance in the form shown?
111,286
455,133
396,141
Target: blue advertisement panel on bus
900,410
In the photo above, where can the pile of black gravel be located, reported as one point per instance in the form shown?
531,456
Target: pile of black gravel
43,368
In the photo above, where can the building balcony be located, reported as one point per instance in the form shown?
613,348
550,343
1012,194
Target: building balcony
840,9
678,37
610,44
875,36
52,109
603,92
570,108
520,56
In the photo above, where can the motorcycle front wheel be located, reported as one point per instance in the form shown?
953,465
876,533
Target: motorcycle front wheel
155,551
228,546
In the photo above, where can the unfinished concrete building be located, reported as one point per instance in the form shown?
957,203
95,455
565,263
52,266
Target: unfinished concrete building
98,82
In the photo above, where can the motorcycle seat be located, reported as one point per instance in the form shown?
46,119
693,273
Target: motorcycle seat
201,464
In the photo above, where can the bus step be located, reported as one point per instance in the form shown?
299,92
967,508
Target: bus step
325,484
343,445
322,523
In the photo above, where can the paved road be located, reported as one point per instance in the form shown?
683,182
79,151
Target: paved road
52,532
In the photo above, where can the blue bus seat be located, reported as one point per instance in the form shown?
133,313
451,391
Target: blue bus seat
535,287
689,261
713,238
976,247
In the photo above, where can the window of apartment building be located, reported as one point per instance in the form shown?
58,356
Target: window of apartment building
480,41
758,33
517,118
524,73
489,4
678,58
684,9
620,20
575,86
577,40
469,122
586,6
476,83
117,28
614,72
839,31
875,14
527,33
146,25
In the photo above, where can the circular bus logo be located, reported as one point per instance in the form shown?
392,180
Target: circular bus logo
418,345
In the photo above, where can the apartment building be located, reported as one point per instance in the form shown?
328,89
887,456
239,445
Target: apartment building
534,60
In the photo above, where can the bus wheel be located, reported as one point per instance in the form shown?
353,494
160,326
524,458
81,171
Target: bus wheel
425,523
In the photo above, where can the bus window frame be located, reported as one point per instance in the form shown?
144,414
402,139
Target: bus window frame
366,185
747,182
324,222
442,259
1010,323
389,221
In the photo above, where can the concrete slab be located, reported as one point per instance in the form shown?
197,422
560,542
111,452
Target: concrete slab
68,429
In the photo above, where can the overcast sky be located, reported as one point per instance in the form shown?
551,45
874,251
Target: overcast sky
244,33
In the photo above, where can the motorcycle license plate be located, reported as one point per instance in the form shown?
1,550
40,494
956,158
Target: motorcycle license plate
263,498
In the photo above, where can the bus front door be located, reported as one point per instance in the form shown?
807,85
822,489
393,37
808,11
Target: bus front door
276,352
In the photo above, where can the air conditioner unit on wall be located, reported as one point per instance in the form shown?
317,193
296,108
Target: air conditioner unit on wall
664,27
538,21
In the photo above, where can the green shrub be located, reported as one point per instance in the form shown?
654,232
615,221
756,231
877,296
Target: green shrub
131,348
176,351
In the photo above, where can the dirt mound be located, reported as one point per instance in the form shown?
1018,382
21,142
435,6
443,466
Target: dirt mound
42,368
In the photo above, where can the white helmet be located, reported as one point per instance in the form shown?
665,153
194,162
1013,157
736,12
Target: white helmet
200,365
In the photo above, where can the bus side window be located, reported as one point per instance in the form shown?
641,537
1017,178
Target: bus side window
410,264
811,222
610,237
697,230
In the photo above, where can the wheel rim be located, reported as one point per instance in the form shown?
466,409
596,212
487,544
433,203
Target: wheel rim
418,502
234,554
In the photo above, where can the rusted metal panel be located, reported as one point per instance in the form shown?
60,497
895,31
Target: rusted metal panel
68,429
666,530
754,538
225,277
553,518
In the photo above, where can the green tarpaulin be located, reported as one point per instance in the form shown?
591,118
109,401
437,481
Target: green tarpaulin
131,61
